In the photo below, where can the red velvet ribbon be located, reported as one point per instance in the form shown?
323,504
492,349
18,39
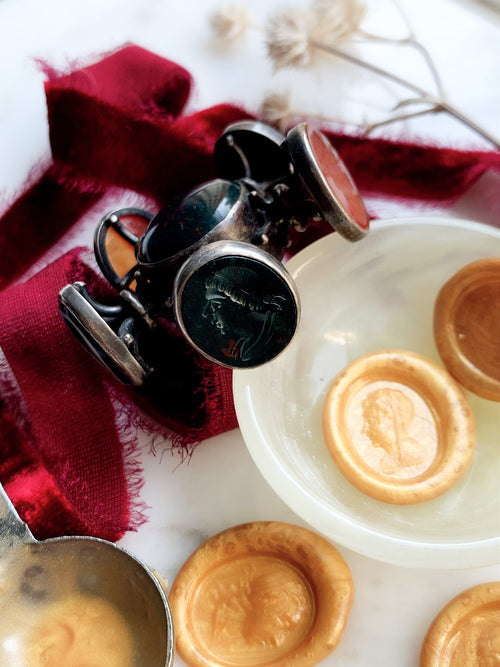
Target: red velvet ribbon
66,460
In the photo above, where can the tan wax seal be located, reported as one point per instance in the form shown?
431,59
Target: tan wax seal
466,633
263,593
467,327
398,426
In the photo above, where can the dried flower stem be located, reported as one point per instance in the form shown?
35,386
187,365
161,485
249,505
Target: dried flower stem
294,37
438,103
412,42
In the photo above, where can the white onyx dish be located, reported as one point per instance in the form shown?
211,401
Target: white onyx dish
357,298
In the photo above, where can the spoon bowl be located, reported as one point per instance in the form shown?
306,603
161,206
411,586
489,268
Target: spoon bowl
80,576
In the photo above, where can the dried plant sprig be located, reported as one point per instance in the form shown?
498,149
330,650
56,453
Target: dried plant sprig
296,38
290,43
436,103
411,41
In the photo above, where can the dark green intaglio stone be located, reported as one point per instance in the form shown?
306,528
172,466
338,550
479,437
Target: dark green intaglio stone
238,311
180,225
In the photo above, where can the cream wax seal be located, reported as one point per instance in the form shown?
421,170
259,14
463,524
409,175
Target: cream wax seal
467,327
398,426
262,593
467,631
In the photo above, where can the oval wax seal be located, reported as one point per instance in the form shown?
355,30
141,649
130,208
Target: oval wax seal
262,593
467,327
398,426
466,631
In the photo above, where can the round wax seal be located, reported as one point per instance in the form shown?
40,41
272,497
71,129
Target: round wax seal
262,593
466,631
398,426
467,327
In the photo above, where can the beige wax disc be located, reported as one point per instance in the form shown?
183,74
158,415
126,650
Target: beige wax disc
398,426
467,327
466,633
263,593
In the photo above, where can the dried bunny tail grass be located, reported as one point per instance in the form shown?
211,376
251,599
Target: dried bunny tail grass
276,110
336,20
297,37
230,22
294,37
288,38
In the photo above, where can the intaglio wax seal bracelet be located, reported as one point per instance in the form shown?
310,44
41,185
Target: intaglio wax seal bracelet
212,262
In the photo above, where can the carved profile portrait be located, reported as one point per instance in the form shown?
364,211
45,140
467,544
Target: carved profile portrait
264,610
388,414
241,311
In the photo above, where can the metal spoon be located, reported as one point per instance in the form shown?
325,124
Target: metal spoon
34,574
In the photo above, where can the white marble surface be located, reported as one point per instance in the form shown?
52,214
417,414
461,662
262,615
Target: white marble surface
220,486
